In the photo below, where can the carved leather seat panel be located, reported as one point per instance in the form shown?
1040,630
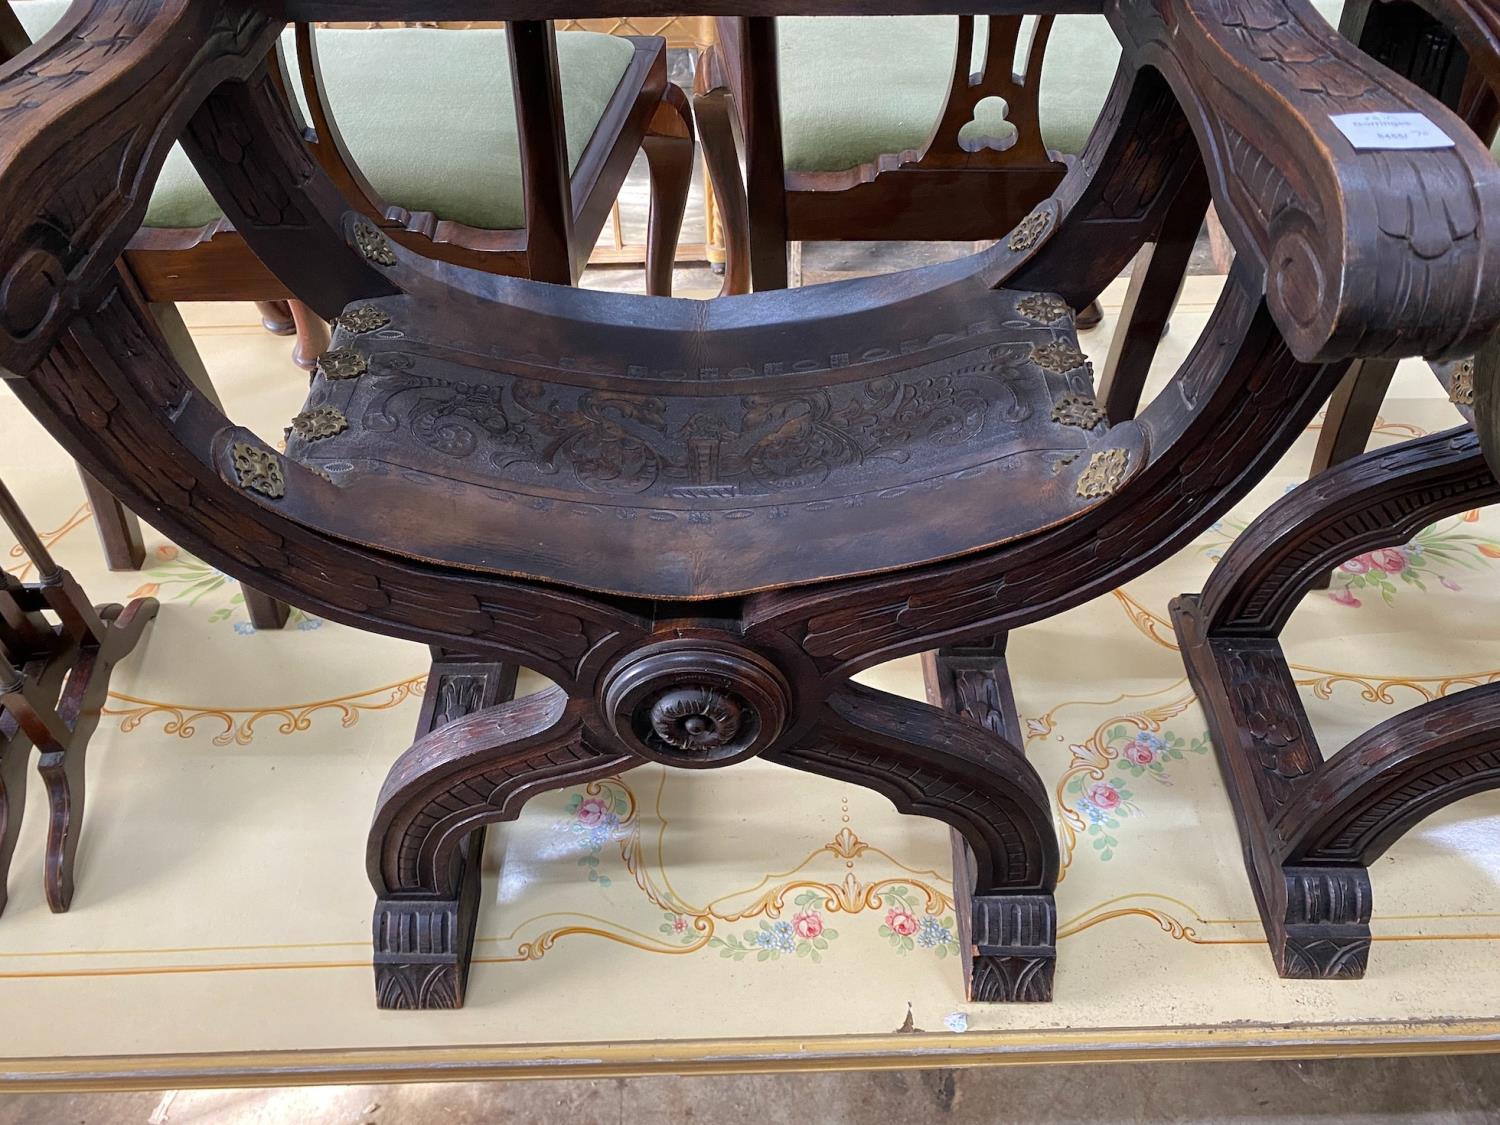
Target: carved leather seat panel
703,450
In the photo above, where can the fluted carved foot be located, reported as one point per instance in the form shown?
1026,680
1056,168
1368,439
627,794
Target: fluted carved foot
1010,939
1318,922
423,946
1013,948
931,761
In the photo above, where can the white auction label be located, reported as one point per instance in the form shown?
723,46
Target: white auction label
1391,130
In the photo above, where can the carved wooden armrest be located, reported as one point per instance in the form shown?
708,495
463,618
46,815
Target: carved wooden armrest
79,157
1368,251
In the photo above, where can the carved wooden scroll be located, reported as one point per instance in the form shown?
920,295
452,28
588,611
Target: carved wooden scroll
72,131
1369,251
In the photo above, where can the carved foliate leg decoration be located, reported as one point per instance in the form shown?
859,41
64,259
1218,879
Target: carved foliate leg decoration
1309,828
932,763
477,760
1013,939
972,681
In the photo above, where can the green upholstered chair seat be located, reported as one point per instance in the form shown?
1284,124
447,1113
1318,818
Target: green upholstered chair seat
428,115
856,87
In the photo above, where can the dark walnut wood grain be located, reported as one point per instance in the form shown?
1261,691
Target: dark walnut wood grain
1311,827
699,520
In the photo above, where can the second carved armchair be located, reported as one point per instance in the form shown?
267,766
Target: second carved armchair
912,128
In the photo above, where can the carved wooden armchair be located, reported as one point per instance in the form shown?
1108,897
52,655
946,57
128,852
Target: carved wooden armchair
1310,826
700,519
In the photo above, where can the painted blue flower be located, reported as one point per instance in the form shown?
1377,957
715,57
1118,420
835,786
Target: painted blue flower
932,933
244,628
310,623
780,938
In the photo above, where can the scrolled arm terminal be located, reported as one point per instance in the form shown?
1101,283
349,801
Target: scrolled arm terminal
1369,251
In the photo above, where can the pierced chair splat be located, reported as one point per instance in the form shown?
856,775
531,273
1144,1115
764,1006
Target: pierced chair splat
700,519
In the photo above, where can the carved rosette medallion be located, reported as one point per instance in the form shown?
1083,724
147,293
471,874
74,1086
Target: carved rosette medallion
1043,308
258,470
1461,383
320,422
1077,410
366,318
1029,231
1104,473
342,363
695,702
373,245
1059,357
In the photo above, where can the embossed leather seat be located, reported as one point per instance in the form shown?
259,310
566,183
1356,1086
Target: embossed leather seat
504,440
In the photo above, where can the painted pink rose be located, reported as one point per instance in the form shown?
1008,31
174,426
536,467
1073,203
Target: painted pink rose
1139,753
1358,565
901,921
1104,796
808,924
679,924
1388,559
592,811
1345,596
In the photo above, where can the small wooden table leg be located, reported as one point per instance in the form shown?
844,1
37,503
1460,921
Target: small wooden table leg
265,611
119,530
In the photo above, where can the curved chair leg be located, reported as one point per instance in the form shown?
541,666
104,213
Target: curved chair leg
713,108
1308,828
15,749
931,763
65,742
477,760
276,318
313,336
669,148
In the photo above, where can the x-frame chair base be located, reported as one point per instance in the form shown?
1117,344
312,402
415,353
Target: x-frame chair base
1310,828
423,942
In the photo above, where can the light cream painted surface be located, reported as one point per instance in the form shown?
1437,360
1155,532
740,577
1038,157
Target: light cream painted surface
222,903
